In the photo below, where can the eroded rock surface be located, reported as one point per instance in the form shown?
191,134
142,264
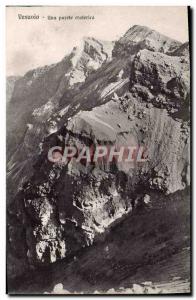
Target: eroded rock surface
137,94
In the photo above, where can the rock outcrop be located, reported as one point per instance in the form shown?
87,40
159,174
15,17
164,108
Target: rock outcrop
183,50
141,37
137,94
37,96
166,83
10,83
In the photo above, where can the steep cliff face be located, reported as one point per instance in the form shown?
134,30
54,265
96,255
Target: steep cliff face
166,81
48,84
36,97
182,50
10,83
139,95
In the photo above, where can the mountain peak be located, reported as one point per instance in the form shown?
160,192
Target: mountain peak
142,37
137,32
139,28
92,53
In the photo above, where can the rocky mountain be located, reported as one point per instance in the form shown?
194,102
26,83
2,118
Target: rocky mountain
183,50
10,83
135,91
141,37
37,96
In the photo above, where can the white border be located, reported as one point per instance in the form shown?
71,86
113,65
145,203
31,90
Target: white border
3,3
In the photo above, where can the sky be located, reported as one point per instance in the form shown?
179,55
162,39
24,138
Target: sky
38,42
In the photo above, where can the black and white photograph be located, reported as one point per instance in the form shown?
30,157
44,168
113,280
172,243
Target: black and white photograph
98,150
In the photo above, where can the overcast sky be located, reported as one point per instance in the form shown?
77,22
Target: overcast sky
34,43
